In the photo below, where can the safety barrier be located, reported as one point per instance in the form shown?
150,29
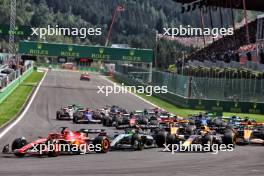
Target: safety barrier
198,104
5,92
58,66
222,89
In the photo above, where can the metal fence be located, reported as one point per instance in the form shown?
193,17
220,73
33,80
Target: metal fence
8,78
248,90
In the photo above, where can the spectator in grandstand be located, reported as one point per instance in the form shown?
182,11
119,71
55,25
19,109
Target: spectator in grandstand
225,48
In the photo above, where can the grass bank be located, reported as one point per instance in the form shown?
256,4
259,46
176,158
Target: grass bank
14,102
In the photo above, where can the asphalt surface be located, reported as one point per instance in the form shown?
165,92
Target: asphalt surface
61,88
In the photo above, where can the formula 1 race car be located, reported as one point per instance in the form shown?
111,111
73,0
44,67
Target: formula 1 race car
250,133
112,114
123,121
132,139
85,76
203,136
233,120
87,116
66,113
65,142
153,116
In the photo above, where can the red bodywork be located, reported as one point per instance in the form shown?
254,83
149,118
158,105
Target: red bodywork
30,146
85,76
66,137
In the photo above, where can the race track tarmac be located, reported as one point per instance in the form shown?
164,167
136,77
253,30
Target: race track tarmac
62,88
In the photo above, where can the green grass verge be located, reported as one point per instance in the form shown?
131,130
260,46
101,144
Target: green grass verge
14,102
185,112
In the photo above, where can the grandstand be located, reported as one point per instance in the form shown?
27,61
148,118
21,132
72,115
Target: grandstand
236,59
227,45
229,69
256,5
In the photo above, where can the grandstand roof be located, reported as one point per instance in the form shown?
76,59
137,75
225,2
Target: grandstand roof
257,5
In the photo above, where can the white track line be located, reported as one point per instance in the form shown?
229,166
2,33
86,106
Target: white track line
10,126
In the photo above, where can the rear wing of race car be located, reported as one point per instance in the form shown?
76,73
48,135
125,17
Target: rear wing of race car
136,126
252,123
144,127
121,127
219,129
93,131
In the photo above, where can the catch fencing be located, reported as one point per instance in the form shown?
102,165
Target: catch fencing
221,89
6,91
7,79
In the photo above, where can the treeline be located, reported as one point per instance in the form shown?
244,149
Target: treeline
135,26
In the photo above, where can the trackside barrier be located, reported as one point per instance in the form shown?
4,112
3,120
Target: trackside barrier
198,104
5,92
58,66
91,69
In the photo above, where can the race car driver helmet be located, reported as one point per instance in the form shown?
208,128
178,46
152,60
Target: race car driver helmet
204,128
64,130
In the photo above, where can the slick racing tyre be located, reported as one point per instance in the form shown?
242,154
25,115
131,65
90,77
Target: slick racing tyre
207,141
118,122
262,134
137,143
104,121
58,115
101,144
55,149
160,138
76,117
17,144
125,120
108,121
171,139
229,138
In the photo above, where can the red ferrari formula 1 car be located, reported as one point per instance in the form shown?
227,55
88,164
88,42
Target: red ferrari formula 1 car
85,76
65,142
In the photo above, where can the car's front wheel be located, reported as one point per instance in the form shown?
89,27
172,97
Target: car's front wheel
101,144
55,149
137,143
58,115
17,144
